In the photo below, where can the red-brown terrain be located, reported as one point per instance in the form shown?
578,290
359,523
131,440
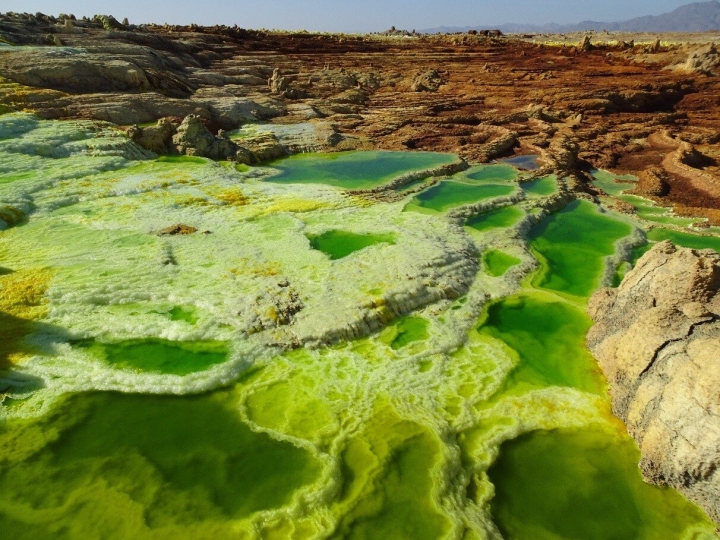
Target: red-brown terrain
648,109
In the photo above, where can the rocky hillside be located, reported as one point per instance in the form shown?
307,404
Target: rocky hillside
695,17
657,338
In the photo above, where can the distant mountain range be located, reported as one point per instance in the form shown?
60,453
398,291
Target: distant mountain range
697,17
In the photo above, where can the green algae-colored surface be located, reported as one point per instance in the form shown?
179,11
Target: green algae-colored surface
449,194
179,313
689,240
134,466
565,483
399,456
354,170
646,209
573,244
264,390
492,173
548,337
340,244
178,358
498,262
188,160
650,211
409,330
679,238
613,184
541,187
504,217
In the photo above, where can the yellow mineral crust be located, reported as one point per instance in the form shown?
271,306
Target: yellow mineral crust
22,300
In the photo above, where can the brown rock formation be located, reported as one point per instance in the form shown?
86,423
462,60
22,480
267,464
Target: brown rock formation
704,60
194,139
157,138
657,338
180,228
652,182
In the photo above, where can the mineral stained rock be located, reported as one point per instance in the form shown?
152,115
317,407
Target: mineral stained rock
194,139
156,138
657,338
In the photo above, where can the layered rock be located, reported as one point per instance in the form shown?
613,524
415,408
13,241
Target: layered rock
194,139
156,138
657,338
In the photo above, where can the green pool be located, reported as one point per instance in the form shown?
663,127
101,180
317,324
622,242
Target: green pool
354,170
449,194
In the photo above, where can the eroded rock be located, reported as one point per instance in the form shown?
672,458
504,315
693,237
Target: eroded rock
156,138
194,139
179,229
704,60
657,339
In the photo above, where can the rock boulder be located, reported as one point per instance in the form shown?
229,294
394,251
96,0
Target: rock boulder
194,139
657,338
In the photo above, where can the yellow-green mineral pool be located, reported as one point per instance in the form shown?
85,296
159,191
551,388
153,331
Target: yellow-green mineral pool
303,363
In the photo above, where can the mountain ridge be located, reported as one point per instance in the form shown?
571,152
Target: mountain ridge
695,17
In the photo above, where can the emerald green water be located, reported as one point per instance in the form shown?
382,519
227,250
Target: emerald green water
492,173
138,466
449,194
573,244
409,330
679,238
541,187
354,170
548,339
183,314
689,240
498,262
564,484
340,244
646,209
157,355
504,217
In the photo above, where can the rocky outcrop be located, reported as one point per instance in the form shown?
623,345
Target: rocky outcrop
111,68
156,138
264,146
652,182
704,60
429,81
179,229
194,139
657,339
280,85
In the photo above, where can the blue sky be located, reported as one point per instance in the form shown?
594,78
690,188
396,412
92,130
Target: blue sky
356,16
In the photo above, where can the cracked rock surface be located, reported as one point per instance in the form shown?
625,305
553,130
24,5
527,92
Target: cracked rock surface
657,338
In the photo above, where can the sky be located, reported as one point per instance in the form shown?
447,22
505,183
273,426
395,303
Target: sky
355,16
